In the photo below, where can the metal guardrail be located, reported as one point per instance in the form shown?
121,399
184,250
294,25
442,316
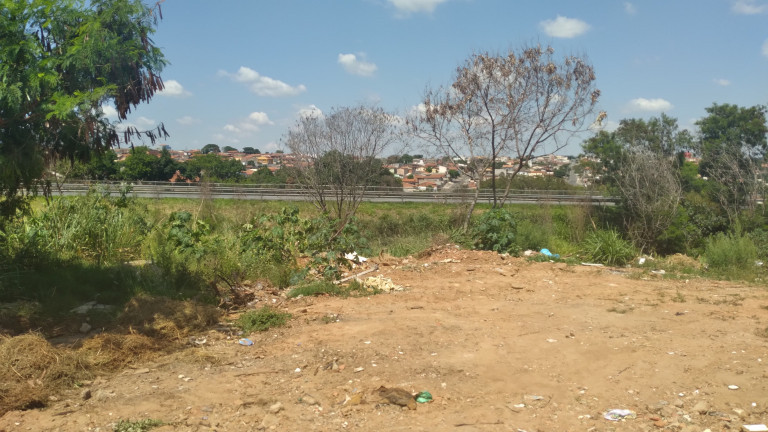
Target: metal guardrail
294,193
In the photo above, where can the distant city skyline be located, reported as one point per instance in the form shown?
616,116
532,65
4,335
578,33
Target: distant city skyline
241,72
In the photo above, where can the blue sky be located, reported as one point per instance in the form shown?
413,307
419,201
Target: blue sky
241,71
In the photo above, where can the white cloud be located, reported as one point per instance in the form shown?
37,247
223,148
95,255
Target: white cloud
630,8
563,27
765,48
722,82
748,7
259,118
357,66
109,112
310,111
262,85
141,123
174,88
408,7
643,104
231,128
187,120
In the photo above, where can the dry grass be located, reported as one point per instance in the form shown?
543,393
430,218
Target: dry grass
33,369
167,319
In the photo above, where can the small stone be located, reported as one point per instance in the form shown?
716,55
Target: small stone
701,407
269,421
141,371
740,412
660,423
276,408
359,369
678,403
309,400
85,328
86,394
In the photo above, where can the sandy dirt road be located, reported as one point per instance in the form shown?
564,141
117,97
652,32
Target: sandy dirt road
502,344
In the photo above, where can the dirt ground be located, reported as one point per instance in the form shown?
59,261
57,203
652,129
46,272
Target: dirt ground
502,344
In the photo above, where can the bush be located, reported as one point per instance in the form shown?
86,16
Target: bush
609,248
97,228
729,252
495,230
262,319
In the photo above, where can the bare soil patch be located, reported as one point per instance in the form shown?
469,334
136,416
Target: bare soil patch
500,343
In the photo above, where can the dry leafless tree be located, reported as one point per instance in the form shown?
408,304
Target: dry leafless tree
523,104
337,155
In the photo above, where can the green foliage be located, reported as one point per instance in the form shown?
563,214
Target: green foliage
609,248
262,319
282,238
60,62
212,166
730,253
137,425
210,148
186,236
98,227
496,230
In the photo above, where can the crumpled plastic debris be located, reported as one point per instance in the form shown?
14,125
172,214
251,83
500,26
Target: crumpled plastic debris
245,342
382,283
424,397
619,414
546,252
354,257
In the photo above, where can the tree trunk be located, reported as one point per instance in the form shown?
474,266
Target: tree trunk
468,216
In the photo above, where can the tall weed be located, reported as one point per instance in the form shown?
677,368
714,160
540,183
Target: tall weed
609,248
727,253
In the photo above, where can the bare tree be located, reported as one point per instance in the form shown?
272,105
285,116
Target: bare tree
525,104
337,155
651,191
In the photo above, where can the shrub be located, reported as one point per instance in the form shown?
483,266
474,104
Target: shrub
728,252
495,230
97,228
608,247
262,319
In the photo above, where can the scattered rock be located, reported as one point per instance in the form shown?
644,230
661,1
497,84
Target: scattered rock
701,407
396,396
309,400
270,420
86,394
276,408
85,328
678,403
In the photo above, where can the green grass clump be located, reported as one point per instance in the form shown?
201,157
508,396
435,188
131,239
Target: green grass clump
726,253
262,319
353,289
137,425
609,248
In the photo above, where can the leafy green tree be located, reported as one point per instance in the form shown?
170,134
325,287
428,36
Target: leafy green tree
251,150
406,159
60,62
210,148
229,149
733,144
211,166
139,165
453,174
166,166
101,166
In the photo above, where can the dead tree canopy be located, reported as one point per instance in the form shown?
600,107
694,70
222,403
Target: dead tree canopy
338,155
523,104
